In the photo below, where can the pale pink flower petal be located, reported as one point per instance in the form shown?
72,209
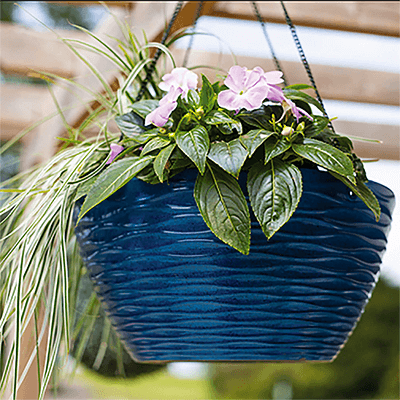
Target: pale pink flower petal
273,77
297,111
179,78
160,115
115,150
166,105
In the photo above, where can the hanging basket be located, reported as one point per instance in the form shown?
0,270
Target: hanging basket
174,292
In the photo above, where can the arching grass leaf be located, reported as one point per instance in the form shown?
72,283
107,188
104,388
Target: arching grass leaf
274,191
230,156
113,178
224,207
326,156
195,144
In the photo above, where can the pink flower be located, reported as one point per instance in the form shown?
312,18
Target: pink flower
179,78
297,111
249,88
246,89
115,150
167,104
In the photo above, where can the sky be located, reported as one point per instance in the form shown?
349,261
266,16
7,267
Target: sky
348,49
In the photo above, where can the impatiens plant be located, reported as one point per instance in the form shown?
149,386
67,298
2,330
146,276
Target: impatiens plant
246,125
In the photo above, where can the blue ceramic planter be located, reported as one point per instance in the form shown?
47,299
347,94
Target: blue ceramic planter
174,292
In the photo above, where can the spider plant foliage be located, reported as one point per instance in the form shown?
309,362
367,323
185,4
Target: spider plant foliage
245,125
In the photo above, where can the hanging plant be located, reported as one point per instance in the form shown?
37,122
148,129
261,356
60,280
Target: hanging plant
196,194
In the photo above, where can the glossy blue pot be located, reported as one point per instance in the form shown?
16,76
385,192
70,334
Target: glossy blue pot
174,292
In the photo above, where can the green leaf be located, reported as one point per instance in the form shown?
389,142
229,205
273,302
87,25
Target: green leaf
261,117
207,95
154,144
255,138
143,137
193,98
297,95
230,156
144,107
130,124
219,117
113,178
162,159
363,192
299,86
316,126
326,156
195,144
274,191
224,208
275,146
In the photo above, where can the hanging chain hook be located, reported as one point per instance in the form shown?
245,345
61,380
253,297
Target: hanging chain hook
276,62
304,61
152,66
187,53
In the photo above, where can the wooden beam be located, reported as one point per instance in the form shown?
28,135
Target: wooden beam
373,17
25,106
389,135
24,50
334,83
21,106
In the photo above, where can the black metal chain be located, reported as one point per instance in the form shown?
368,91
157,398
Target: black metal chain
152,66
276,62
187,53
304,61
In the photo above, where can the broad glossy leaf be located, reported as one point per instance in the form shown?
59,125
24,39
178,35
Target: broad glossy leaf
224,208
316,126
143,137
195,144
275,146
364,193
207,95
293,94
161,160
111,179
193,98
326,156
261,117
144,107
255,138
219,117
154,144
274,191
130,124
230,156
342,143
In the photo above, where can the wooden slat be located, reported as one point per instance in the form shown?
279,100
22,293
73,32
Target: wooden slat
374,17
24,50
21,106
389,135
24,106
335,83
